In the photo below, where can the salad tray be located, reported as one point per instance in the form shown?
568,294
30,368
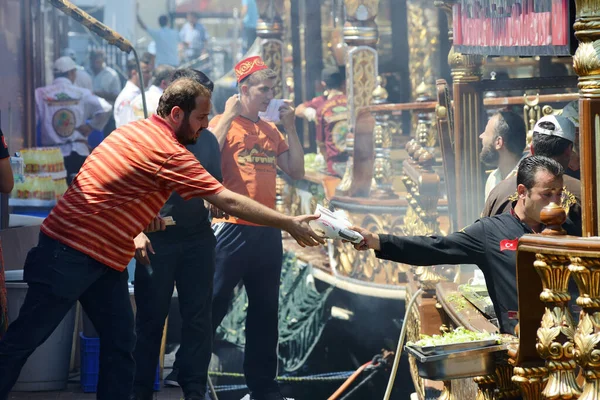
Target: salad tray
457,364
454,347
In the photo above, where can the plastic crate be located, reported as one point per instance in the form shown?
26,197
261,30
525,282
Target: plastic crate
90,365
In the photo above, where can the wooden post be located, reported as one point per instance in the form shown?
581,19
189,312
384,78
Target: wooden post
586,63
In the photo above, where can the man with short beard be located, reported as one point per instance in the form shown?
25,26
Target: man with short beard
503,144
87,240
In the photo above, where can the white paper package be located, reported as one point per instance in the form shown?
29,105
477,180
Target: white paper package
334,225
272,113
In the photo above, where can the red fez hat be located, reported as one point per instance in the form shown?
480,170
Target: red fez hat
248,66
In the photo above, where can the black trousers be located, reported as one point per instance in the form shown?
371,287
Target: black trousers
58,276
73,163
190,264
253,255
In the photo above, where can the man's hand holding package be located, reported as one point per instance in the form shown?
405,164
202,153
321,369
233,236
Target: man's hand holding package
157,224
300,230
287,115
371,240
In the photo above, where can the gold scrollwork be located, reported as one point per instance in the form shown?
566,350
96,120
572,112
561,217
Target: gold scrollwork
531,381
272,54
487,387
556,333
586,272
364,75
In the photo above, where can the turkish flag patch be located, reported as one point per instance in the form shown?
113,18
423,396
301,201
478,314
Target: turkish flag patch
510,245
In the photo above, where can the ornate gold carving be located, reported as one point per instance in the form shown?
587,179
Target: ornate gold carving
465,67
556,332
383,173
531,381
426,133
423,42
506,388
365,266
363,64
413,334
446,391
586,273
272,54
269,24
586,60
360,28
487,387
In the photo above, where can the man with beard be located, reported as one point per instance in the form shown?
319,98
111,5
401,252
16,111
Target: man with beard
553,137
185,255
490,243
503,143
88,239
251,151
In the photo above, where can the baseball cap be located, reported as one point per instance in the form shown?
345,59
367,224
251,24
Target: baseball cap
562,127
64,64
571,112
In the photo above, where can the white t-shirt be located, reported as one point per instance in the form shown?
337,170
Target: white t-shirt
62,107
107,81
135,111
122,103
83,79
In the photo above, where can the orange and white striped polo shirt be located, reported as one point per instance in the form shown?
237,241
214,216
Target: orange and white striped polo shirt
122,186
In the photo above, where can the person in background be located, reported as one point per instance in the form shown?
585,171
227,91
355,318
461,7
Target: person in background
251,152
105,80
503,143
553,137
193,37
490,242
185,256
332,121
6,185
83,79
132,88
67,115
571,112
249,14
161,79
166,41
86,242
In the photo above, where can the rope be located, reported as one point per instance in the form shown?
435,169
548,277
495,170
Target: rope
325,377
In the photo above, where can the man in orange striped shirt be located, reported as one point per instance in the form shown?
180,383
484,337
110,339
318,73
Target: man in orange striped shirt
88,239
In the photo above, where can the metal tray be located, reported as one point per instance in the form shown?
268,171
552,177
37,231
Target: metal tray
454,347
456,365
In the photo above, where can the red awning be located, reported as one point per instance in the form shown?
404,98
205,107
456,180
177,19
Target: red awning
194,6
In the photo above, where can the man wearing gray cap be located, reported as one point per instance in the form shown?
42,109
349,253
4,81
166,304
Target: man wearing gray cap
82,78
67,114
553,137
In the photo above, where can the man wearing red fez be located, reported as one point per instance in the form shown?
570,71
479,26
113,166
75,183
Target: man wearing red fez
251,151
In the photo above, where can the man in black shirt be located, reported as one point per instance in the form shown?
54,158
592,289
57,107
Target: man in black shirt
183,254
491,242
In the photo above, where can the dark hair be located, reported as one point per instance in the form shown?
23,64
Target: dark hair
95,54
529,166
61,74
511,128
549,145
146,58
334,77
163,73
131,66
196,75
181,93
163,21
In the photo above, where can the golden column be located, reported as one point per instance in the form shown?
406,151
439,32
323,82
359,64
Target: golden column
360,36
270,29
469,122
586,63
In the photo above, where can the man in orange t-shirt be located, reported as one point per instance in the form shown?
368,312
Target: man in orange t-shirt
251,151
